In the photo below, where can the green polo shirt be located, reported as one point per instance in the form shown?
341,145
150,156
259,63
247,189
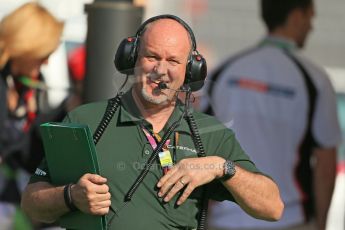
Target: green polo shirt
123,150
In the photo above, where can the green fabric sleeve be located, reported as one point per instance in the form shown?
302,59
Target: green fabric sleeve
41,173
229,148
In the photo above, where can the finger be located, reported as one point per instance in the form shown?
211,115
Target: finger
102,189
166,177
104,211
96,179
101,197
102,204
186,193
175,189
101,211
165,187
97,207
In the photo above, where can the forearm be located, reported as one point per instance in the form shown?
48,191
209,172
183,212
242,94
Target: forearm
257,194
324,180
43,202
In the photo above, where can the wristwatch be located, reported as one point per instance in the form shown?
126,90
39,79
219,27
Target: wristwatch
229,170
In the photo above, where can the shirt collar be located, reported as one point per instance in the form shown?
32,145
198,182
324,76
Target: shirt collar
175,116
129,112
280,42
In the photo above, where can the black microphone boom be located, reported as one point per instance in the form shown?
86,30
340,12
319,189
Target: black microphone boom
162,85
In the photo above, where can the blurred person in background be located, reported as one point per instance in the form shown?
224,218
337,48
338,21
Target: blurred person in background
77,69
282,108
28,35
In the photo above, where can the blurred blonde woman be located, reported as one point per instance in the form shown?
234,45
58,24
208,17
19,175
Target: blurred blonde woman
28,35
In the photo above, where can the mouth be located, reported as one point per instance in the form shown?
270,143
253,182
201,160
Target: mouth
157,82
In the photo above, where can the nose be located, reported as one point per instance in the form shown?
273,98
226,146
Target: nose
161,68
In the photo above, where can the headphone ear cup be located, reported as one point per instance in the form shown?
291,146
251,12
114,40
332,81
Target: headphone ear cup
196,72
126,56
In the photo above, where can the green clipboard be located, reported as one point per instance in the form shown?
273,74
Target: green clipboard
70,153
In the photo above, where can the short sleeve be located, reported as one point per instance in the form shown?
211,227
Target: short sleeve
326,128
41,173
228,148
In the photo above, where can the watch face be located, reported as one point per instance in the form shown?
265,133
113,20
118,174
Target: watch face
229,170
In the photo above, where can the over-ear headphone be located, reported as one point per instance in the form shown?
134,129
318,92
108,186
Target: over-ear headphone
127,52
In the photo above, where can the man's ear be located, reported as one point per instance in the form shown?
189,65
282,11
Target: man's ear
294,20
295,16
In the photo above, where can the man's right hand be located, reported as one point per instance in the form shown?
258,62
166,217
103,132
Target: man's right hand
91,194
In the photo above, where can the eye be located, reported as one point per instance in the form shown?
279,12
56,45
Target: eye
173,62
151,58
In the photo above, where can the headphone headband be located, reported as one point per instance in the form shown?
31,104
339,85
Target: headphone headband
141,29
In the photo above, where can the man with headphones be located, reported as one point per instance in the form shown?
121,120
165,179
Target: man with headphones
155,154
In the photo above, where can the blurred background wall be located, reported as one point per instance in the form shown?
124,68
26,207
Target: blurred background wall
221,27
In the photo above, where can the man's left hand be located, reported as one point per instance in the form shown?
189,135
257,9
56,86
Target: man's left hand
190,173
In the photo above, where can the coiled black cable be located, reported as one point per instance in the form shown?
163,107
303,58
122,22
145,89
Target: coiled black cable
195,133
150,161
202,219
112,106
